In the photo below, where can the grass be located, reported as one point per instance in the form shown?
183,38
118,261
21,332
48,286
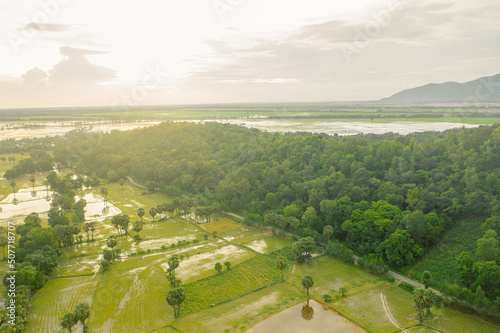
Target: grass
239,315
131,302
268,244
249,275
330,275
220,225
441,260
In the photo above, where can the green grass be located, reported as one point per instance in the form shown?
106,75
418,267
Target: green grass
251,274
268,244
441,260
221,225
243,313
130,302
330,275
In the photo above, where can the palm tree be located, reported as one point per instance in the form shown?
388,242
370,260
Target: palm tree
3,243
159,210
68,321
104,191
86,228
218,267
173,263
228,265
32,180
281,264
141,213
152,212
137,227
13,185
307,282
92,229
426,279
328,231
82,312
420,302
111,243
175,297
342,291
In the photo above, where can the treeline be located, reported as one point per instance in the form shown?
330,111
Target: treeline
390,196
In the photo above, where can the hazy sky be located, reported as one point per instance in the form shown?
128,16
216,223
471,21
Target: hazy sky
89,52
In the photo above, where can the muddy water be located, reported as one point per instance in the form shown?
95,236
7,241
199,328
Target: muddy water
306,318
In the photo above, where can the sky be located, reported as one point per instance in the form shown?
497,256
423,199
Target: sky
59,53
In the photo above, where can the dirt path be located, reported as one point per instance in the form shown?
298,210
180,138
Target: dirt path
136,184
389,314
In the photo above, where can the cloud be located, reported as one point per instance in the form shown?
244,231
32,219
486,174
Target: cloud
75,69
34,76
46,27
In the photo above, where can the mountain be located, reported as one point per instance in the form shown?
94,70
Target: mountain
482,90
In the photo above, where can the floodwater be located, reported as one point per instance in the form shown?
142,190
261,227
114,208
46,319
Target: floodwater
29,202
16,131
306,317
344,128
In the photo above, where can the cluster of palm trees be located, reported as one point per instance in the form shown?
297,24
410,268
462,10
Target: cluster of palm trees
81,314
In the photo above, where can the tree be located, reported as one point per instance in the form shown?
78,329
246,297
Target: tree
152,212
121,182
420,301
293,223
328,231
82,312
13,185
307,282
3,244
111,243
86,228
137,228
104,264
32,180
173,263
302,247
400,249
426,279
92,229
487,247
104,191
68,321
107,255
228,265
343,291
141,212
175,298
281,264
218,267
326,297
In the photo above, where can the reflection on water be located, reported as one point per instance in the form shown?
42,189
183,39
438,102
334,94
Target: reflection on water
307,312
307,317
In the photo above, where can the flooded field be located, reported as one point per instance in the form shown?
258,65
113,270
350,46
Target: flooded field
19,131
29,201
306,317
345,127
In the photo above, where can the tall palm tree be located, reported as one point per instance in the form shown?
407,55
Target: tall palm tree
307,282
92,229
281,264
13,185
111,243
82,312
141,212
68,321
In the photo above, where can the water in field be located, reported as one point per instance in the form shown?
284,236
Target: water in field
29,201
12,131
306,317
343,128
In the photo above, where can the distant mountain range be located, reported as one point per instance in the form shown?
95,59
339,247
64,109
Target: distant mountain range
482,90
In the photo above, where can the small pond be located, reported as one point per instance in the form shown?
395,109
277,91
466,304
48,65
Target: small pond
306,317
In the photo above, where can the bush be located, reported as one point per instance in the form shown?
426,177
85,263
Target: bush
406,286
326,297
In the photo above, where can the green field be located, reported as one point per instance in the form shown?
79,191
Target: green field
441,261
